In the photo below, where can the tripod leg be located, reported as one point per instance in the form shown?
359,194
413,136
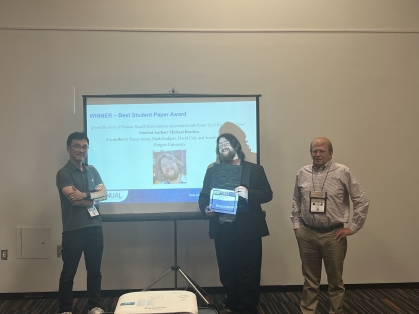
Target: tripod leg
161,277
194,286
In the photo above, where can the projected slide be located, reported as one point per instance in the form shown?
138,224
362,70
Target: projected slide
152,154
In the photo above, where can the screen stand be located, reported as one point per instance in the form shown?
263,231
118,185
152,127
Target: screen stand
176,268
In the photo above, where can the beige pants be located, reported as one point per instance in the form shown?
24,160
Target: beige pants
315,247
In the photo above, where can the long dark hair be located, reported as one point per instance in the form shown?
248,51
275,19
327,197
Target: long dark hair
234,142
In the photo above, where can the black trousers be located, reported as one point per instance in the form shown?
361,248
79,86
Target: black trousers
90,242
239,264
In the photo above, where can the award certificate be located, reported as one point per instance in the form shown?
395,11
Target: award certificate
223,201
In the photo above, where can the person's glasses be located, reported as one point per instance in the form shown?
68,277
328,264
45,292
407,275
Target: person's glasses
224,144
82,148
321,152
167,164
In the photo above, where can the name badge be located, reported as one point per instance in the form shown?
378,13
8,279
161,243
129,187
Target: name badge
93,211
318,201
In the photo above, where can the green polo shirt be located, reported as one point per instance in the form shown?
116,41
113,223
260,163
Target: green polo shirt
75,217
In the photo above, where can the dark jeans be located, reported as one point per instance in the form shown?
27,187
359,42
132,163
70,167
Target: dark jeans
239,264
90,241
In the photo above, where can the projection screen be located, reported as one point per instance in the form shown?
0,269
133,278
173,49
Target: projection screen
140,143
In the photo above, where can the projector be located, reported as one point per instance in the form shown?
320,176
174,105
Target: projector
157,302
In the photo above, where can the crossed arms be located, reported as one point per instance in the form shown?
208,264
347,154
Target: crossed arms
81,199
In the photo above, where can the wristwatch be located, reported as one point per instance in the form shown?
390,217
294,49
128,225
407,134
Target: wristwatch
88,196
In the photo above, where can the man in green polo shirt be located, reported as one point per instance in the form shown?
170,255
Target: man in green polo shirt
80,187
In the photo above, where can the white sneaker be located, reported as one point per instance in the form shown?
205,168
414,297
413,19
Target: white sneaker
66,313
96,310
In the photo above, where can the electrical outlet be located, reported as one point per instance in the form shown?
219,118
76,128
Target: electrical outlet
4,254
59,250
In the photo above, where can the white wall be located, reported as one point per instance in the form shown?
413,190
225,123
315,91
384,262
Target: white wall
347,70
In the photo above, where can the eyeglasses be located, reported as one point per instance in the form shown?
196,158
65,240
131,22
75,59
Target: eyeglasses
221,145
82,148
167,164
321,152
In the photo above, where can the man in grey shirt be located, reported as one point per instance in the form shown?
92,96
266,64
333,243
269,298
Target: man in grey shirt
321,207
80,186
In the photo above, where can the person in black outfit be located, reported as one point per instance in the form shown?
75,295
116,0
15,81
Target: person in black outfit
238,238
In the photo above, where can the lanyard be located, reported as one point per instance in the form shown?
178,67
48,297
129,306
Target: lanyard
312,178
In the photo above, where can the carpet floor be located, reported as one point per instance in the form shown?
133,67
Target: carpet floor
365,301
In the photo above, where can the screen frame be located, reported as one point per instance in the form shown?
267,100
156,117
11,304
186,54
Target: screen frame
167,216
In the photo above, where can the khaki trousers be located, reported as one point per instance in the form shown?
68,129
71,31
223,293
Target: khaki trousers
314,248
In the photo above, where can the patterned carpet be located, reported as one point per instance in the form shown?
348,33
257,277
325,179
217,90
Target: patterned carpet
363,301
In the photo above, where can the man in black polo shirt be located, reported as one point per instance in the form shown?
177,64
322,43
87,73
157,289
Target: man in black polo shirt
80,187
